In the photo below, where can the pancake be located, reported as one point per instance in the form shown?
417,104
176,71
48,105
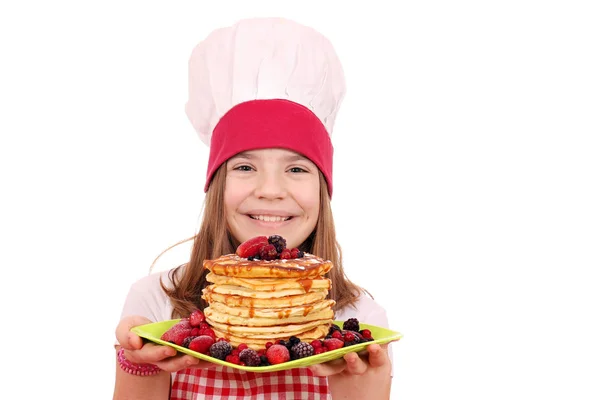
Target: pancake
289,301
270,284
266,332
256,294
309,266
272,320
256,343
293,311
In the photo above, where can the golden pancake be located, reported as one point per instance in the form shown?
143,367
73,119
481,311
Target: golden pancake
294,311
288,301
256,294
267,331
270,284
255,343
308,266
220,317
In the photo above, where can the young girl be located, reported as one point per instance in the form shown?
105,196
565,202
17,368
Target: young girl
264,95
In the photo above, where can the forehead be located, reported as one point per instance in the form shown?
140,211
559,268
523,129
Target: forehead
276,154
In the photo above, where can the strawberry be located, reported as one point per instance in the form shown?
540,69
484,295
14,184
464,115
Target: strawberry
201,344
196,318
251,247
366,334
333,344
278,354
176,335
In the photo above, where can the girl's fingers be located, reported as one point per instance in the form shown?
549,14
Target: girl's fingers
378,355
355,365
150,353
329,368
127,339
178,362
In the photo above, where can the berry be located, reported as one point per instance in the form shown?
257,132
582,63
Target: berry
278,354
268,252
176,335
294,252
264,361
316,344
242,346
337,335
301,350
286,254
186,341
333,344
278,242
250,357
334,328
351,324
196,318
232,358
294,340
268,344
320,350
251,247
351,338
183,323
220,350
366,334
201,344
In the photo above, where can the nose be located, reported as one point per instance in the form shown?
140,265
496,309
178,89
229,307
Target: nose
270,185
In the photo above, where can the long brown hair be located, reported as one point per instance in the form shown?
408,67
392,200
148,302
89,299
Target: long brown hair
214,240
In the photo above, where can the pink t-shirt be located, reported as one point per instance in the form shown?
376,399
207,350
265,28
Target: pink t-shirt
146,298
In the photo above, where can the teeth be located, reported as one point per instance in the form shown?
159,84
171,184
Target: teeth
269,218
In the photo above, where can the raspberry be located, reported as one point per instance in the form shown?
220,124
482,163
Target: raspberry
196,318
268,252
268,344
278,354
251,247
201,344
316,344
351,338
295,253
337,335
250,357
220,350
242,346
232,358
278,242
286,254
301,350
351,324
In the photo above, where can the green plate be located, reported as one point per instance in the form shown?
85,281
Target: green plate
154,331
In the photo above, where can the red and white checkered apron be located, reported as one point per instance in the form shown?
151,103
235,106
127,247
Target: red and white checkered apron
230,383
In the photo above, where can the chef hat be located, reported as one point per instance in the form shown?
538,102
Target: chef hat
263,83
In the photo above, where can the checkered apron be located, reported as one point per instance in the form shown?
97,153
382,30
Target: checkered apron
228,383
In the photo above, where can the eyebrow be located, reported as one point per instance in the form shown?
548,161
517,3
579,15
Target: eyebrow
293,157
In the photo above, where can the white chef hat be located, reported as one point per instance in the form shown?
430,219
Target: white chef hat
265,82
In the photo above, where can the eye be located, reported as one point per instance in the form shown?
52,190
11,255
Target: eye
297,170
243,168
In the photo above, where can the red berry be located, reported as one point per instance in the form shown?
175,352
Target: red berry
268,344
333,344
242,346
176,335
286,254
235,352
201,344
366,334
268,252
196,318
316,344
278,354
208,332
319,350
223,339
262,352
349,337
251,247
233,358
337,335
294,252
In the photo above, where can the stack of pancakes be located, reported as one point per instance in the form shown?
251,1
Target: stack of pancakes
258,301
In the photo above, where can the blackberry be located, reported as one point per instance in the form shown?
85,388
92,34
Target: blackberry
351,324
300,254
250,357
278,242
220,350
186,341
301,350
294,340
283,342
334,328
264,361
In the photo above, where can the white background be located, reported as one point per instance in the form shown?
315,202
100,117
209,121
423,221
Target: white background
466,183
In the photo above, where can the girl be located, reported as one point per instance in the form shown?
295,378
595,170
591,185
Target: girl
264,94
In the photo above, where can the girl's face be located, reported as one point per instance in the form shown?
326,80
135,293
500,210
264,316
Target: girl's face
272,192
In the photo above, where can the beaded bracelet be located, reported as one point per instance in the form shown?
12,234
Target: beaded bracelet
136,369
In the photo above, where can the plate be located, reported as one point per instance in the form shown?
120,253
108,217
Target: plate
154,331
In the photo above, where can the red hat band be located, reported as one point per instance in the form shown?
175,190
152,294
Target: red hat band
276,123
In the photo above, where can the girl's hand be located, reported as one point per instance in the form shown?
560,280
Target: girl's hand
356,377
165,357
